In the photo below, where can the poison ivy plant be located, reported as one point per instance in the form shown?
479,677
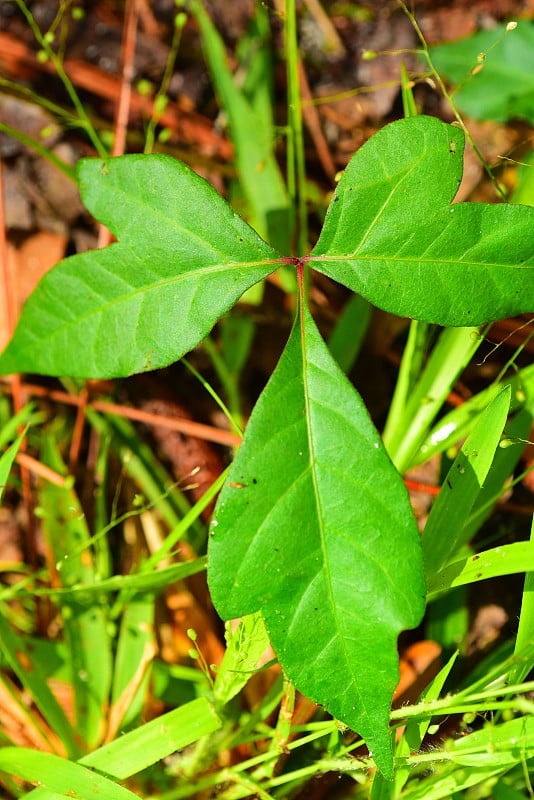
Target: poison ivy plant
300,533
314,526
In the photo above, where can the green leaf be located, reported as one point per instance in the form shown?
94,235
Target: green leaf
391,234
135,751
7,459
60,776
184,258
506,560
503,87
157,739
133,661
314,528
244,648
444,531
154,581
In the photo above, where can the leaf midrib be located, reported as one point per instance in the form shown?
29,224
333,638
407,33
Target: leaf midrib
143,290
326,567
362,487
421,259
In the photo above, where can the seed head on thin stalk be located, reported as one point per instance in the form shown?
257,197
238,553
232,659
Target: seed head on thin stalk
437,77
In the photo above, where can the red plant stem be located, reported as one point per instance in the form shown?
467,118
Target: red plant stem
77,431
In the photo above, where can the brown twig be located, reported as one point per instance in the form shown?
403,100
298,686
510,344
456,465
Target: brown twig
186,426
190,428
77,430
122,111
7,300
41,470
17,60
311,118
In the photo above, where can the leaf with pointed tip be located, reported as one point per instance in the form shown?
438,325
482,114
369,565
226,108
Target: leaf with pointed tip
183,259
391,235
314,527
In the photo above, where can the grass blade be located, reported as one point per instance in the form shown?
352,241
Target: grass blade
61,776
444,530
84,619
155,740
19,655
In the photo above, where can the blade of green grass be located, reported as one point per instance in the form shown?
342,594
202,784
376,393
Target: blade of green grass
31,672
26,416
85,624
40,149
138,749
253,140
447,620
410,742
525,631
60,776
140,463
444,531
411,367
153,581
151,742
506,560
416,730
459,422
135,650
24,717
101,493
7,460
502,791
504,463
450,356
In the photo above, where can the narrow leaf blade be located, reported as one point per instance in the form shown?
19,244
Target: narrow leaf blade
32,674
60,776
183,259
507,560
259,174
314,528
444,530
391,235
157,739
7,460
85,621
